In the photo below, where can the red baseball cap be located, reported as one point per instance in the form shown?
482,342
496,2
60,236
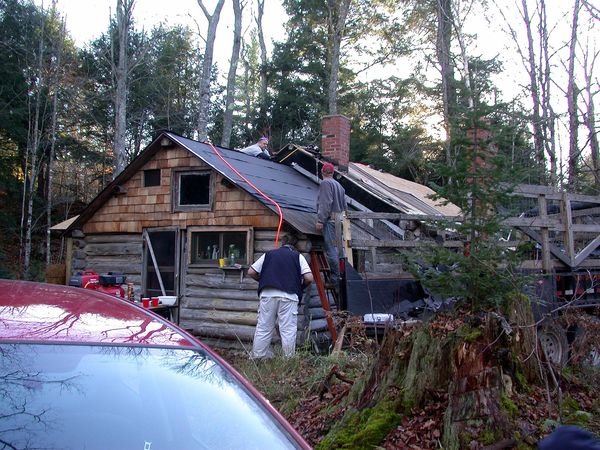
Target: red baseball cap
327,168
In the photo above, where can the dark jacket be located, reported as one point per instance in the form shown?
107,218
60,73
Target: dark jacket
281,270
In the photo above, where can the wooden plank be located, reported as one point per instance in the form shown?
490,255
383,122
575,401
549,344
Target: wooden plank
586,212
583,254
551,193
370,243
568,232
544,233
401,216
585,228
557,252
534,222
346,240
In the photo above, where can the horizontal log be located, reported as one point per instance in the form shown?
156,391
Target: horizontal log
243,333
114,249
219,317
115,259
318,325
217,281
113,238
219,304
116,266
230,294
315,313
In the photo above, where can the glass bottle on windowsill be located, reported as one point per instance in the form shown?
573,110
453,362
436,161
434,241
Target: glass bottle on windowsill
231,255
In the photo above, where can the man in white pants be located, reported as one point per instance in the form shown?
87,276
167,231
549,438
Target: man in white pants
281,274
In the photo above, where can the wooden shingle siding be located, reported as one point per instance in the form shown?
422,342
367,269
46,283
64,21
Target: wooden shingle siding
148,207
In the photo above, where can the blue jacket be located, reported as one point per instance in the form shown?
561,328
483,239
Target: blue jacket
281,270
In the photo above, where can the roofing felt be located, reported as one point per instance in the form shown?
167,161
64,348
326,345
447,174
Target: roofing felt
414,198
295,194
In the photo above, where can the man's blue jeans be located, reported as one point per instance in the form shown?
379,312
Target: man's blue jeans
331,250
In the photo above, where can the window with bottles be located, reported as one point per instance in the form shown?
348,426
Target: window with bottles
208,245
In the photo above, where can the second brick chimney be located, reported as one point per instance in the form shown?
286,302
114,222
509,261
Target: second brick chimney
335,141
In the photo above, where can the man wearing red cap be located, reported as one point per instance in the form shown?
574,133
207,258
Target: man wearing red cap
331,203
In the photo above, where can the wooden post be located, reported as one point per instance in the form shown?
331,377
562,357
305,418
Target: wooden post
546,263
568,222
347,239
68,259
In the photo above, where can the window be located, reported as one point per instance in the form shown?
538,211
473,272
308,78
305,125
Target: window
210,244
151,177
192,191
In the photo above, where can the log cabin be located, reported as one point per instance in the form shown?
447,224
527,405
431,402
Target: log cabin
182,205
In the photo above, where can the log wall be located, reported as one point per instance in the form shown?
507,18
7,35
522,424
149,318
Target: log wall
222,309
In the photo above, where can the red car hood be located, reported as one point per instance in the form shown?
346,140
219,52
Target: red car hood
48,312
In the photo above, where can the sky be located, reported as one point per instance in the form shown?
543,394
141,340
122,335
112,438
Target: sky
88,19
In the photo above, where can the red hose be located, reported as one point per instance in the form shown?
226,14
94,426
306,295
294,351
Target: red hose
255,188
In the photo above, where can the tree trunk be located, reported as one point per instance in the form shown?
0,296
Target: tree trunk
33,148
572,94
538,139
120,73
203,112
50,162
263,64
415,368
231,78
443,44
338,12
590,116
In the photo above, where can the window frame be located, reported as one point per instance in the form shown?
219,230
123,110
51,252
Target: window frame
177,174
220,229
147,174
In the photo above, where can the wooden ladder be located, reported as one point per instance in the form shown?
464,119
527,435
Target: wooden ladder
322,276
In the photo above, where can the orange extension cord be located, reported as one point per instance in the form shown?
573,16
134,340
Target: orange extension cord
255,188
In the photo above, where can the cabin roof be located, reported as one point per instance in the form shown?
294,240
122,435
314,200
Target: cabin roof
289,180
295,194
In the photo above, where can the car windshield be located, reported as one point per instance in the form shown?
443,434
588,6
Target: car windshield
111,397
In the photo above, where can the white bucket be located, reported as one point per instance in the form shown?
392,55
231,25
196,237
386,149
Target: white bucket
378,318
168,300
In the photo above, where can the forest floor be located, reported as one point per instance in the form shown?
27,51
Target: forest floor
312,392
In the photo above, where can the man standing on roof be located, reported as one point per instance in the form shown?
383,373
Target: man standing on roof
282,274
331,203
259,149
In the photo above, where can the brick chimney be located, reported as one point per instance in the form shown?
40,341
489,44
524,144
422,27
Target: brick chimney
335,141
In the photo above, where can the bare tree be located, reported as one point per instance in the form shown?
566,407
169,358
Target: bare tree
50,163
120,72
536,59
591,88
444,58
238,8
337,14
263,58
572,94
34,139
213,21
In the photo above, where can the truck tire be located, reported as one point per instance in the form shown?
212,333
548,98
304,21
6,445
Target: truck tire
554,343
